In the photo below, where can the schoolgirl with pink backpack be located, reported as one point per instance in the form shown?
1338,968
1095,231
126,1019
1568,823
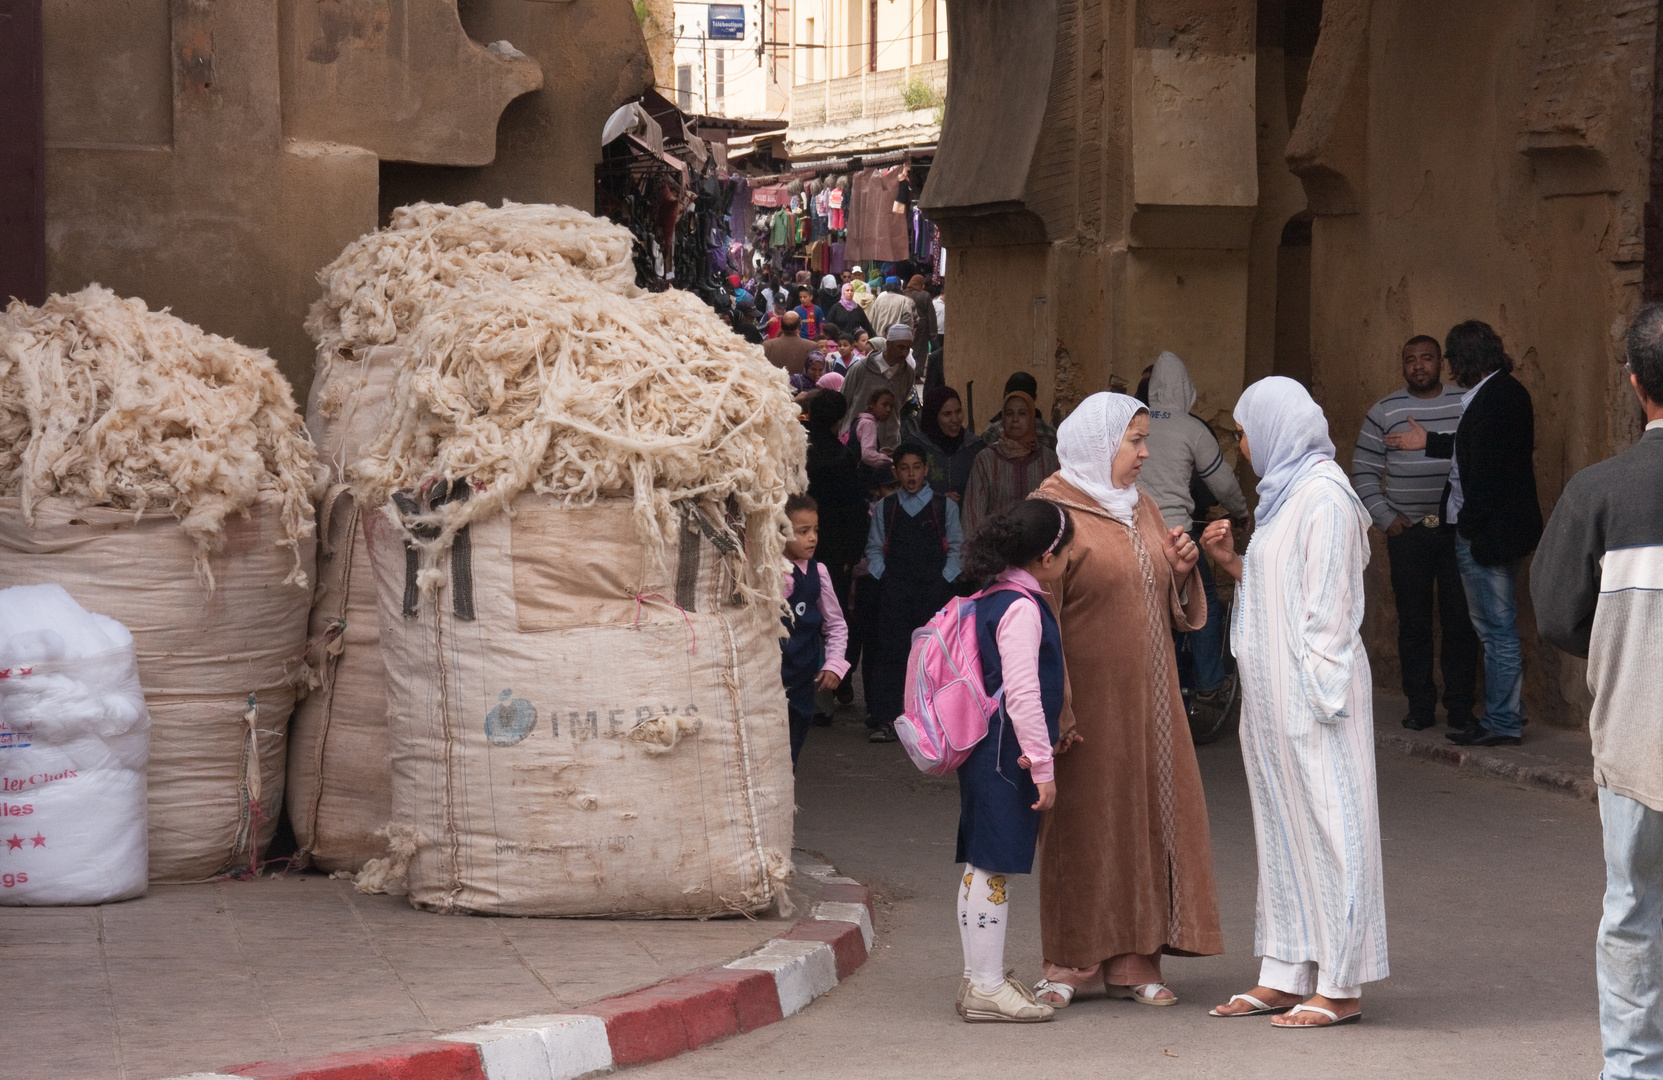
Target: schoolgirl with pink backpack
983,698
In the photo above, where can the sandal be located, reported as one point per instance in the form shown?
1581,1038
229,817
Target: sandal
1334,1018
1061,990
1259,1007
1137,993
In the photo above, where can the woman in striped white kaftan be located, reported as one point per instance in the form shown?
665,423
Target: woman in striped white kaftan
1307,729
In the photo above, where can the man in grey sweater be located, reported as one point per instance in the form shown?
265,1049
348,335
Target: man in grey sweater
1598,588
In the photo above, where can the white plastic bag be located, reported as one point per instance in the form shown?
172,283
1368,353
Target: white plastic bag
74,744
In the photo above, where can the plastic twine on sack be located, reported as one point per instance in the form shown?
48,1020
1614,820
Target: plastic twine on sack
640,598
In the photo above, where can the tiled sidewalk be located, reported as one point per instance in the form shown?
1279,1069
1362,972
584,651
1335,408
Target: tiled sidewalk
195,976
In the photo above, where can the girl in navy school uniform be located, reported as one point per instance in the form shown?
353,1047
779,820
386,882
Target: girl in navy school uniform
1008,780
812,658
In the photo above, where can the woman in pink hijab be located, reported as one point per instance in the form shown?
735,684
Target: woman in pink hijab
847,315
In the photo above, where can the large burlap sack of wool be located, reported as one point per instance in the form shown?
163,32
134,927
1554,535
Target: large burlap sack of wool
217,668
340,773
374,297
576,534
163,476
584,728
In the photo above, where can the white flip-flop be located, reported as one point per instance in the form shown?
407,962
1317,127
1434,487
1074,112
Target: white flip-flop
1061,989
1334,1018
1136,993
1259,1007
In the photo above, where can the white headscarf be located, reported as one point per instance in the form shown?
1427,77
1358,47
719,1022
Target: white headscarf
1086,445
1170,387
1287,434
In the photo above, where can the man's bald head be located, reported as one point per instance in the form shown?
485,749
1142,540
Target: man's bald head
790,323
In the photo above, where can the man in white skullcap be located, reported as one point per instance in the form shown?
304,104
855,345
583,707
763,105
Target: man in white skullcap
888,366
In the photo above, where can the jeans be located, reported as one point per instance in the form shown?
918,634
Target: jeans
1207,643
1423,565
1494,615
1629,954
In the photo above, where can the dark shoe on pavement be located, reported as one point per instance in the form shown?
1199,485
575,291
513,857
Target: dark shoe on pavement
1482,737
1419,721
882,734
1219,696
1462,721
822,719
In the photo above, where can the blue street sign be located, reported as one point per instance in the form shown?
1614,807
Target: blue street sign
727,22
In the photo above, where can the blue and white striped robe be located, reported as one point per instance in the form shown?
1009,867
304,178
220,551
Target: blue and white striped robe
1307,733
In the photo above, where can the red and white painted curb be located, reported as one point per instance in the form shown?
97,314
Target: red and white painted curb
660,1021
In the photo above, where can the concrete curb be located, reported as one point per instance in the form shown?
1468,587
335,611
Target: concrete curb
1561,779
660,1021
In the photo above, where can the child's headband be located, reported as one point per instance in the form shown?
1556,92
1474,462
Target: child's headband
1062,527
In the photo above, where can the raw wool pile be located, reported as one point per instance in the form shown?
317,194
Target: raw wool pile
110,404
530,362
553,385
381,285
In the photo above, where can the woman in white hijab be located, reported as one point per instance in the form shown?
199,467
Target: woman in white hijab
1307,729
1126,868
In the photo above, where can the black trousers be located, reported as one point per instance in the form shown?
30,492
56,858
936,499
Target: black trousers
906,604
1423,566
799,734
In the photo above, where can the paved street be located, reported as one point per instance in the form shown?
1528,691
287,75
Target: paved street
198,976
1493,893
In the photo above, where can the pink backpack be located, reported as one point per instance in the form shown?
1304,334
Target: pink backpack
947,711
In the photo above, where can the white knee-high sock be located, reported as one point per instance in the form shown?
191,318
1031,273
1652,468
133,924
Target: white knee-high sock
983,912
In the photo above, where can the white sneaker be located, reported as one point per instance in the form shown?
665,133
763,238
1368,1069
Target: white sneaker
958,1001
1009,1003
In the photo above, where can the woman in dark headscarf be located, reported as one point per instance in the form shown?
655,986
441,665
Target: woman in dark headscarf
941,430
1006,472
835,483
847,315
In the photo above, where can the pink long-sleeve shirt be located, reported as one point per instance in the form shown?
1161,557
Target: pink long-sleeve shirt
836,630
866,429
1018,635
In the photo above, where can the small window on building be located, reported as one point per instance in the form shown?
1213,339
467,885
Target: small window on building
684,87
721,74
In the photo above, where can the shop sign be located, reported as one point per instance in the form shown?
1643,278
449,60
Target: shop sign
727,22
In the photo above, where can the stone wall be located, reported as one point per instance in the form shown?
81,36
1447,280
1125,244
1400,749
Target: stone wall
1219,179
212,157
1489,162
1096,187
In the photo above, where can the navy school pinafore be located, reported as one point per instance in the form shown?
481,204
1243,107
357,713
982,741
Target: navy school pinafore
804,652
998,829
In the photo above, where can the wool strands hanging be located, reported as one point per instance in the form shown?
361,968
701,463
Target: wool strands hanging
111,404
559,379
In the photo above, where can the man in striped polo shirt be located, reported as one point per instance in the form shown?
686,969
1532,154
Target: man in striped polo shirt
1402,490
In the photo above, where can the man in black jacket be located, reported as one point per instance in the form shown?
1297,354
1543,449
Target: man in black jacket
1491,500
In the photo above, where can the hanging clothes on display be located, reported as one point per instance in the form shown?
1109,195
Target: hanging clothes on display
876,232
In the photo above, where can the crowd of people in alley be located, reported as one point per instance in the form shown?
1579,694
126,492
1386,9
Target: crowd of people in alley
1083,547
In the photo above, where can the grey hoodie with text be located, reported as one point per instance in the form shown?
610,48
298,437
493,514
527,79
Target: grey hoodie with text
1181,444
